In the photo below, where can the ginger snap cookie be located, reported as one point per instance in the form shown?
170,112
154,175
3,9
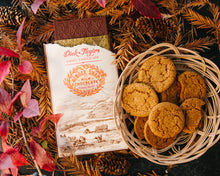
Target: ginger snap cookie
159,72
136,81
166,120
193,113
156,141
171,94
139,123
192,85
138,99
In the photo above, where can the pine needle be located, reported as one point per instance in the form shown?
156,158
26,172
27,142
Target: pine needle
199,20
201,44
130,35
216,18
76,167
42,35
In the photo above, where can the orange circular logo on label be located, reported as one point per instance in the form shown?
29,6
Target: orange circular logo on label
85,80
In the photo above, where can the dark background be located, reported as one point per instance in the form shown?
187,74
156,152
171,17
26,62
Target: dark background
207,165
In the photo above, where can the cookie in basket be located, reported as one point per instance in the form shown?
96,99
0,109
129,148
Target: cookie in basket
139,123
166,120
192,85
138,99
136,80
192,108
156,141
159,72
171,94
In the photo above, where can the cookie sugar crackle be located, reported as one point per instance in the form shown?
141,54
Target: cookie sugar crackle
187,146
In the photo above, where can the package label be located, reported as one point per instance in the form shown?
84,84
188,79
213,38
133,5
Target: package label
82,81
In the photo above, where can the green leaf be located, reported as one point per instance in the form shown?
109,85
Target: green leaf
44,144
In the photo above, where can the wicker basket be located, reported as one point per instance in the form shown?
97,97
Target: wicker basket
186,147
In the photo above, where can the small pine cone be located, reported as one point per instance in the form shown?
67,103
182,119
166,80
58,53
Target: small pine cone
112,164
11,16
159,28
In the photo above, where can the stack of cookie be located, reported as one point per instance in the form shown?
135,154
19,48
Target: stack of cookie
164,103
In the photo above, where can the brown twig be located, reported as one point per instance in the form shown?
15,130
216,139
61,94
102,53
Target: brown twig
28,148
23,134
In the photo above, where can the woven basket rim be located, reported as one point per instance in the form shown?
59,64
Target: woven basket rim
186,147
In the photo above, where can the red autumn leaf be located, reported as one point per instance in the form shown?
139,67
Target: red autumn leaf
14,99
4,129
5,101
25,67
55,117
26,96
19,35
17,158
35,6
14,171
36,132
32,109
43,159
42,123
5,161
146,8
7,52
1,117
102,3
5,69
10,172
17,116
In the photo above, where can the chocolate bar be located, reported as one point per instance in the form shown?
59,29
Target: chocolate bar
73,32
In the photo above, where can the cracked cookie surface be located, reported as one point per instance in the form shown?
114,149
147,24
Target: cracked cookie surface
192,108
171,94
159,72
138,99
139,123
192,85
166,120
156,141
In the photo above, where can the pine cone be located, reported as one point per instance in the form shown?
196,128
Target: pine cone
159,28
112,164
11,16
